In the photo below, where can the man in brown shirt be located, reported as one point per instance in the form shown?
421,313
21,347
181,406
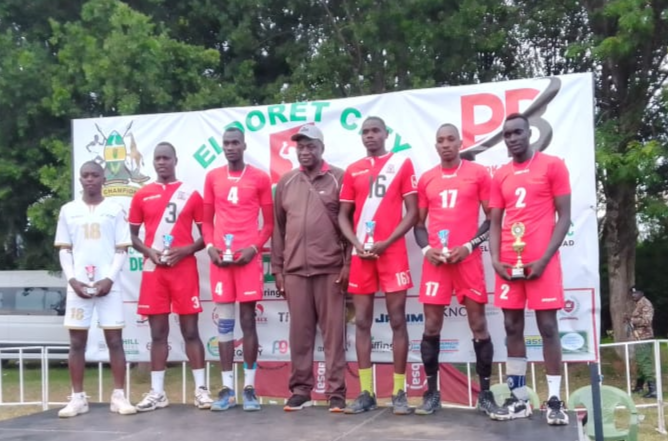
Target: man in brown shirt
308,258
640,328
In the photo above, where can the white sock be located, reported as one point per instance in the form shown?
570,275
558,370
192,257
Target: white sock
249,377
158,381
228,379
81,395
118,392
553,386
198,376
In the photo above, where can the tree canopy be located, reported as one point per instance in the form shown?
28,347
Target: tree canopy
74,59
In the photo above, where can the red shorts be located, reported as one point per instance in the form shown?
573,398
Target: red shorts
238,283
389,273
464,279
543,293
164,290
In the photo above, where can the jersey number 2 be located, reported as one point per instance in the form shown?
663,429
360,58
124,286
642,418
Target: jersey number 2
521,194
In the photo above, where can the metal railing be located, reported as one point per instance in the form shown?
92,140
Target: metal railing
47,354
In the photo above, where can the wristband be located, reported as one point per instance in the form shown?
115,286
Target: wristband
209,246
425,249
255,248
469,247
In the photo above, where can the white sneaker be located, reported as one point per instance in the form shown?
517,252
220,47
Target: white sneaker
512,408
78,405
203,398
152,401
121,405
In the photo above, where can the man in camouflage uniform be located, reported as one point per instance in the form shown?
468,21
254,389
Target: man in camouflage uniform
640,327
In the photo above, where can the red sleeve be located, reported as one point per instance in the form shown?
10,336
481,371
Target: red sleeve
264,190
208,209
484,185
560,183
408,179
197,207
423,199
495,194
136,215
348,187
267,206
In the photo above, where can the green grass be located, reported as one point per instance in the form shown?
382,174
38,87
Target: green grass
612,369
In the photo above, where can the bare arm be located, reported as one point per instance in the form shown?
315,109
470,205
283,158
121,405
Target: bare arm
199,243
346,225
137,243
495,216
411,203
563,205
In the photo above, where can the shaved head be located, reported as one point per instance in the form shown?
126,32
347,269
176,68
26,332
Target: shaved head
92,165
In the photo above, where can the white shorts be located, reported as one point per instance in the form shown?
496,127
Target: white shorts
79,312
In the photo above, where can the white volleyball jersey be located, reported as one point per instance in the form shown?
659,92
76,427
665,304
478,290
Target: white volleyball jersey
93,232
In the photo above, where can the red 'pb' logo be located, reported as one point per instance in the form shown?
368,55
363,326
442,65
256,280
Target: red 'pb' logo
283,153
478,136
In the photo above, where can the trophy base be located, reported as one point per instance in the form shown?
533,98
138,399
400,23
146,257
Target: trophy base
368,246
517,274
91,291
228,258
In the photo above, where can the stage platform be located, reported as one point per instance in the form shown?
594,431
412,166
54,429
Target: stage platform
184,423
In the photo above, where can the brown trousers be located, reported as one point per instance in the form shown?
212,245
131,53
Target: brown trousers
316,301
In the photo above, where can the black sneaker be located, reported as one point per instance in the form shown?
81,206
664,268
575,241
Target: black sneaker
431,402
363,403
486,402
556,412
297,402
400,404
337,404
512,408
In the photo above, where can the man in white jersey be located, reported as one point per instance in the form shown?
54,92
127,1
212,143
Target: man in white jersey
93,237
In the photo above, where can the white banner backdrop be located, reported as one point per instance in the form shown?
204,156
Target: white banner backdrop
561,113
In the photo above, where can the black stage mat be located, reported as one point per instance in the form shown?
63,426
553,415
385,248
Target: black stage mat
184,423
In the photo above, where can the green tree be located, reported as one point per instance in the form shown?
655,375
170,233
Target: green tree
128,66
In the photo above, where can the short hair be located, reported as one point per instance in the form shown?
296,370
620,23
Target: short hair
513,116
444,125
167,144
235,129
377,118
94,164
634,290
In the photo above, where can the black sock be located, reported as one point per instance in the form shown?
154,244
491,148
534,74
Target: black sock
430,348
484,356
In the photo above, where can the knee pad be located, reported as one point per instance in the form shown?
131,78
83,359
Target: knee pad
225,322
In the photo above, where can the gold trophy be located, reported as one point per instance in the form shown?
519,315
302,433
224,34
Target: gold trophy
517,230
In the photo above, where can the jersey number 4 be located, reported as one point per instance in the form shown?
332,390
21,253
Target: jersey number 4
233,195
